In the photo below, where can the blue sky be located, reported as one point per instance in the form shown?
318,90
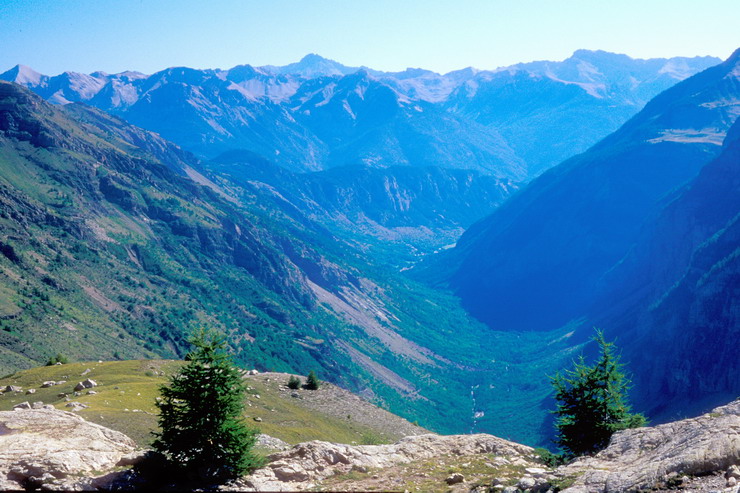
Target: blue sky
148,35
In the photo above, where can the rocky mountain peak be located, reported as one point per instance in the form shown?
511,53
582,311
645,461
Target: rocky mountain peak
313,65
22,74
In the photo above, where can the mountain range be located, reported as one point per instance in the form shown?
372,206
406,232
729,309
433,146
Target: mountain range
314,222
117,244
636,236
512,123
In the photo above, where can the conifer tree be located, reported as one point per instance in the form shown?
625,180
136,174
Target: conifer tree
592,402
201,415
312,381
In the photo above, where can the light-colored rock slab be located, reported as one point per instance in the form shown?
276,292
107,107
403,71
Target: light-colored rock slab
641,458
48,446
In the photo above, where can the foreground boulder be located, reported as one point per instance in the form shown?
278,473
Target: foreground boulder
55,450
655,457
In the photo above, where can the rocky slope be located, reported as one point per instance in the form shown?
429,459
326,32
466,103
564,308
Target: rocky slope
316,113
664,455
697,454
416,209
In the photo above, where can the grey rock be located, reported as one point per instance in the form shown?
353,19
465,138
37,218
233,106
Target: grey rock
21,406
733,472
455,478
133,458
13,388
76,406
52,449
88,384
79,387
30,391
37,405
641,458
526,483
272,443
47,384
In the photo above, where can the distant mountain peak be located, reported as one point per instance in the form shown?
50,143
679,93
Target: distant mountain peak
314,58
313,65
22,74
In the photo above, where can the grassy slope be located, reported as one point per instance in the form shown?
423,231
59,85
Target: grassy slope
127,390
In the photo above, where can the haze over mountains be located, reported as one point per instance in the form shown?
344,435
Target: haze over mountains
635,236
513,122
324,185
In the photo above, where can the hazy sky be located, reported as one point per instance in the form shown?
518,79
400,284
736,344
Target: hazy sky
148,35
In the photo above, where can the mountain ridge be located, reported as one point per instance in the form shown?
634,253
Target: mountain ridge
260,109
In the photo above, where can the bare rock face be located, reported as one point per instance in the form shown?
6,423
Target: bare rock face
299,467
644,458
54,449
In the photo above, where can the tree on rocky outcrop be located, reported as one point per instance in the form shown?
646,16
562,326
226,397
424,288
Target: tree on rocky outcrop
294,382
202,431
592,402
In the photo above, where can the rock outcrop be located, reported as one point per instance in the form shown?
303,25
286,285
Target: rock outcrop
650,457
56,450
303,465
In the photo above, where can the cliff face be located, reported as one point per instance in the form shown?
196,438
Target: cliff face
678,287
534,264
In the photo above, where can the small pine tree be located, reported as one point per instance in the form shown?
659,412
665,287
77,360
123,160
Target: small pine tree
593,402
312,381
294,382
200,415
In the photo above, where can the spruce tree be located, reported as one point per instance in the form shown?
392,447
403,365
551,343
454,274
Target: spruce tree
202,432
312,381
592,402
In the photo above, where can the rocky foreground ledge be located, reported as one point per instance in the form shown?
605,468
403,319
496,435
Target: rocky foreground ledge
53,449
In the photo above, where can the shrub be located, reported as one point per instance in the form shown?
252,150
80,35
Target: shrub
548,458
294,382
59,358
